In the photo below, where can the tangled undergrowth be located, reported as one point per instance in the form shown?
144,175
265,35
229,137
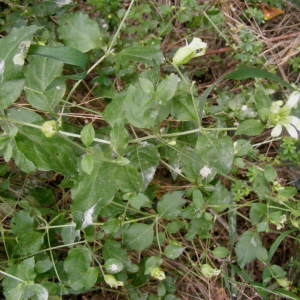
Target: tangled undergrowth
150,149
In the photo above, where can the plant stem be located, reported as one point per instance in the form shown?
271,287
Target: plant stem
108,52
65,133
175,134
11,276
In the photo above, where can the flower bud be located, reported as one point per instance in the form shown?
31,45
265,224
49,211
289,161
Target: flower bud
208,271
49,128
185,54
158,273
112,281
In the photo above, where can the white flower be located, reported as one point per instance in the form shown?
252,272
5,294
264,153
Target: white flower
205,172
293,99
88,217
281,116
247,111
244,108
61,3
194,49
113,265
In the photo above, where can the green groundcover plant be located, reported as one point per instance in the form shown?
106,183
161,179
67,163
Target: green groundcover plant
82,204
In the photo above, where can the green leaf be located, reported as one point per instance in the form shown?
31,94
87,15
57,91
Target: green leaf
114,111
270,173
98,187
145,157
216,152
244,73
35,291
87,134
10,91
24,115
200,227
170,206
77,266
8,152
139,236
39,74
10,46
261,186
138,200
139,107
249,248
56,153
250,128
283,294
198,199
28,241
221,198
43,265
112,249
277,243
166,89
220,252
23,163
24,270
101,185
146,54
151,263
87,163
79,31
258,213
69,233
146,85
242,147
22,222
173,250
128,179
65,54
182,107
119,138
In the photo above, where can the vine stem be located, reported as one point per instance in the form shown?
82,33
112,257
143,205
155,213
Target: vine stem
11,276
137,140
175,134
108,52
65,133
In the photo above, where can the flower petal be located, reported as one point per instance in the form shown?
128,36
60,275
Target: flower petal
291,130
197,44
296,122
293,99
276,131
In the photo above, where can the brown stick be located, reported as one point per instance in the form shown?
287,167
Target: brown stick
283,37
218,51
